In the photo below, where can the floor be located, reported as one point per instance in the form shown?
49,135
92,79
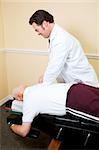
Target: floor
11,141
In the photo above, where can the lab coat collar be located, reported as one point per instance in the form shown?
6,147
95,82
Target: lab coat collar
53,33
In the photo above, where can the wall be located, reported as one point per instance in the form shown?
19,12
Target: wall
24,68
95,64
79,17
3,77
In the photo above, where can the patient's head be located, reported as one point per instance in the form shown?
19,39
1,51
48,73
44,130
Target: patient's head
17,93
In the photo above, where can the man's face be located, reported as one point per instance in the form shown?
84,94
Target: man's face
42,30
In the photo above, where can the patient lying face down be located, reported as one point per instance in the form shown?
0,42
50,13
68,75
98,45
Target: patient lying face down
53,99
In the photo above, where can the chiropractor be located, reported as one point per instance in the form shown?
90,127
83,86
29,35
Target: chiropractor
67,61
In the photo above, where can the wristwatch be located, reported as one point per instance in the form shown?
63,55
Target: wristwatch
10,124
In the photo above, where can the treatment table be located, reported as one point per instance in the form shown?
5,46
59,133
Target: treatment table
82,127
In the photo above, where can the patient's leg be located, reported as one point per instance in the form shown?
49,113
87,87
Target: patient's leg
84,98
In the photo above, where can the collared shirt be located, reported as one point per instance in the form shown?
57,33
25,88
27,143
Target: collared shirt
67,60
45,99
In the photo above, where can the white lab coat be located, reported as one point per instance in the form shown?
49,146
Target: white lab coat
67,60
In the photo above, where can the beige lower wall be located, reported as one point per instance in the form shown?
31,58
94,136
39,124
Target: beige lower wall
95,64
24,69
3,77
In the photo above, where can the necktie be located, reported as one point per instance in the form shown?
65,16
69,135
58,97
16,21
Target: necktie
49,41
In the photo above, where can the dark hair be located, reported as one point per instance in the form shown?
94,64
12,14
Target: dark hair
39,16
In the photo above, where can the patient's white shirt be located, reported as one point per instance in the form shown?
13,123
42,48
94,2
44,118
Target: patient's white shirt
44,99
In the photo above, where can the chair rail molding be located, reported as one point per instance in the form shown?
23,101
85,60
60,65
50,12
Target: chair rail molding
26,51
42,52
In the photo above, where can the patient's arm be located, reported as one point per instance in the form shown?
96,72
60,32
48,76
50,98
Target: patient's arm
21,130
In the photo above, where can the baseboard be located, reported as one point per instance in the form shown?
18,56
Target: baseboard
5,99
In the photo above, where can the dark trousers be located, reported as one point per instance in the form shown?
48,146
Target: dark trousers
84,98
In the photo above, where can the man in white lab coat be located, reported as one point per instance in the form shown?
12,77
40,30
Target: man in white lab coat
67,61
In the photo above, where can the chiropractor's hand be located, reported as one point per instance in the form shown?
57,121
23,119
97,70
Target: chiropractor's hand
18,92
40,79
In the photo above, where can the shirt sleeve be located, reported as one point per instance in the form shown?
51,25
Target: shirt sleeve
58,56
30,106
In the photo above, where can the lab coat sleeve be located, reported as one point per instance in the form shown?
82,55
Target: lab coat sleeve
59,54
